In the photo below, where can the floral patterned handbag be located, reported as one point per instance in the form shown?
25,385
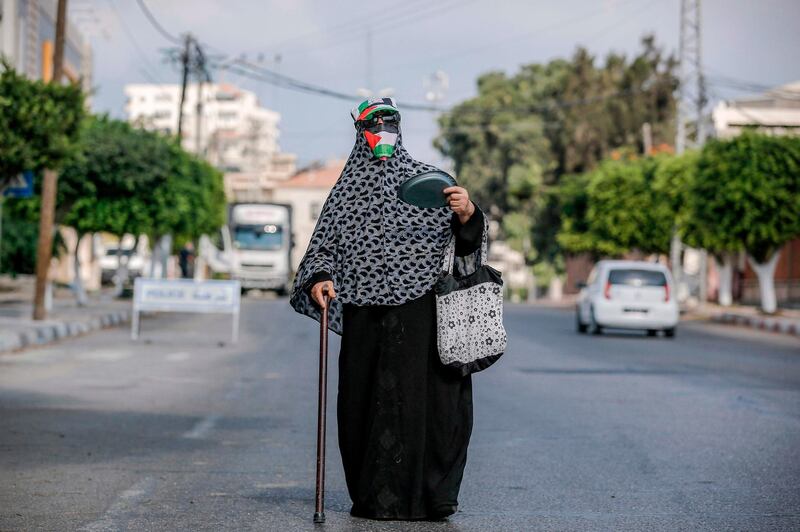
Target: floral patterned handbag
469,314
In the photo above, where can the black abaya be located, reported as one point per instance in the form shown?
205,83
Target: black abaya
404,421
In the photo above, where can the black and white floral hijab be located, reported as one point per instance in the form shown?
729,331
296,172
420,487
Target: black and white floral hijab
378,249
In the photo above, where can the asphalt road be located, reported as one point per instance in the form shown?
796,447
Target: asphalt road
572,432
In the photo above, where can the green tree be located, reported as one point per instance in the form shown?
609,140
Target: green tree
622,212
551,121
107,186
39,123
747,196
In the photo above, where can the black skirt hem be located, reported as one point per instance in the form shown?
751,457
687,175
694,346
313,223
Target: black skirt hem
441,513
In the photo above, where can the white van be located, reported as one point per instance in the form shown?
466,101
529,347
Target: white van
258,245
628,295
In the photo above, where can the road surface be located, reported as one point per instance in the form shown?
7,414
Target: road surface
181,431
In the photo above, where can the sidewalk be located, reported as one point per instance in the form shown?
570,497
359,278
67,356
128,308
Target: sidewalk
19,331
786,321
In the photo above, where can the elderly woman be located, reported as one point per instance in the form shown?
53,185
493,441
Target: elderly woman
404,421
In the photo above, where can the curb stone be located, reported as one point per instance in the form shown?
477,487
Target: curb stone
764,323
53,331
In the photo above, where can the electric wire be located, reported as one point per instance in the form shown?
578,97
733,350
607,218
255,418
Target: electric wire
148,68
156,24
345,26
526,34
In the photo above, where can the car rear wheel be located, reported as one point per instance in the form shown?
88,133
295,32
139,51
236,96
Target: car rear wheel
596,329
579,325
651,332
669,333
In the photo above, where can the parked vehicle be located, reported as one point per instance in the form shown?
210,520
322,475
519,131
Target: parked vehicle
627,295
258,244
109,263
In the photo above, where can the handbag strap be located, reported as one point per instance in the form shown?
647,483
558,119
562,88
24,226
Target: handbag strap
450,251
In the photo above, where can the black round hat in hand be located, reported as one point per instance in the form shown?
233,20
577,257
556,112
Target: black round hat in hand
426,189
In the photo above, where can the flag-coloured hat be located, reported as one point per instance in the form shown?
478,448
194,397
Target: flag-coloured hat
365,109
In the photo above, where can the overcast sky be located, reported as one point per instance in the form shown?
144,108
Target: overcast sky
326,43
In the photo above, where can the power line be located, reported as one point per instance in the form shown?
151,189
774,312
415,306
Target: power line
427,13
358,30
752,86
530,33
626,19
342,26
259,73
147,72
157,25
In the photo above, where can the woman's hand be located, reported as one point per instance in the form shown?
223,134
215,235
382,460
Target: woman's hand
321,287
459,201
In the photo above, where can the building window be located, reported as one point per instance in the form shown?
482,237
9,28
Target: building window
227,115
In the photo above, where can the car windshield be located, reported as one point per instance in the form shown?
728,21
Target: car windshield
258,237
632,277
113,252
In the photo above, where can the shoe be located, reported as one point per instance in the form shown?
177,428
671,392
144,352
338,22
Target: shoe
443,511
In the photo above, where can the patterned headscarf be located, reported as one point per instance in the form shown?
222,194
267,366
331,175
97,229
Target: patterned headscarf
378,249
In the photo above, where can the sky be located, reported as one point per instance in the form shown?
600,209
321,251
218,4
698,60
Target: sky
349,45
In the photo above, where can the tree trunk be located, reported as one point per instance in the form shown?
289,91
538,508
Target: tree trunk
119,283
766,281
77,285
155,259
166,250
725,279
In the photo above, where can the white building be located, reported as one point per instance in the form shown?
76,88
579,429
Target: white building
306,192
231,130
27,41
776,112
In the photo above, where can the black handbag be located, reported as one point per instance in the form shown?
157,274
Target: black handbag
469,314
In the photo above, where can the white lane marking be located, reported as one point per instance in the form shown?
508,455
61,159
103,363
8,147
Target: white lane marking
108,356
202,427
124,504
186,380
177,357
275,485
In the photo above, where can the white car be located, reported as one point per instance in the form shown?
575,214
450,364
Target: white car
110,261
623,294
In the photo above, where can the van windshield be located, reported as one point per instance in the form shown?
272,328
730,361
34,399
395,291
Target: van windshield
631,277
258,237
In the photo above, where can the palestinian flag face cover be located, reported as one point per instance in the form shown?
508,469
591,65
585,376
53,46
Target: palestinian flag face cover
381,138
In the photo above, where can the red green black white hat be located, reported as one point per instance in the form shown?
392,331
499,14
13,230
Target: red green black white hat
365,109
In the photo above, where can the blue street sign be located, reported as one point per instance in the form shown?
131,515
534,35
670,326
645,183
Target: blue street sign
21,187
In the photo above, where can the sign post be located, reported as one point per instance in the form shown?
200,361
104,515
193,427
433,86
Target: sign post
186,295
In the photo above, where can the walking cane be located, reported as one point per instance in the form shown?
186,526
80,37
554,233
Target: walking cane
319,501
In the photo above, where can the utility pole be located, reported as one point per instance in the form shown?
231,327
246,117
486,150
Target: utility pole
203,76
692,91
691,105
49,184
185,58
